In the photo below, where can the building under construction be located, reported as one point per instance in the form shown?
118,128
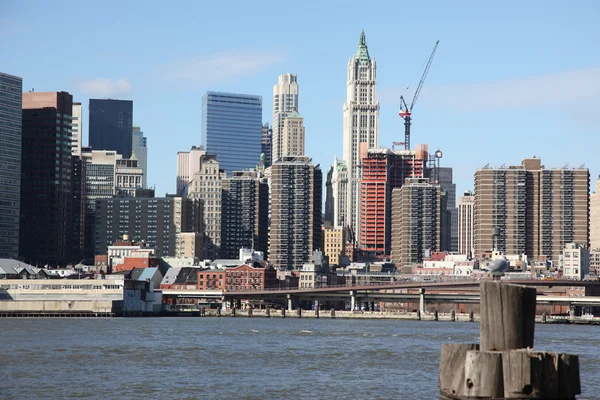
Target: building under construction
383,170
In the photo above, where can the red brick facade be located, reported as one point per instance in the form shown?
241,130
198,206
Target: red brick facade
246,277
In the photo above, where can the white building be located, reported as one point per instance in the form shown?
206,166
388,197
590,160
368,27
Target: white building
339,184
205,185
285,101
129,175
595,218
76,130
576,261
466,224
361,123
188,163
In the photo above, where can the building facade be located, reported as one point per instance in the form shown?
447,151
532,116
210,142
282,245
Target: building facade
292,138
444,179
205,186
266,145
285,101
76,130
339,190
47,189
417,221
110,125
466,204
361,124
11,93
334,244
139,147
576,261
153,221
536,209
595,218
232,128
244,213
296,219
188,163
383,170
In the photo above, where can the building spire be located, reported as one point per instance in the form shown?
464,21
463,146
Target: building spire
362,53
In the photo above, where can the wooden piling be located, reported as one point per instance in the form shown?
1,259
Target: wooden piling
332,313
317,312
268,312
283,313
299,312
507,316
453,316
249,312
233,312
435,315
505,364
418,315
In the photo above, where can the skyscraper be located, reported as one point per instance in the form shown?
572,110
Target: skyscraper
417,221
244,213
444,178
47,190
296,219
361,123
139,147
382,171
77,130
205,185
110,125
339,190
536,209
267,144
231,129
292,139
466,203
285,101
11,91
595,218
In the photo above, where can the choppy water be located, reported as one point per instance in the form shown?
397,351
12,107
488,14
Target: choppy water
247,358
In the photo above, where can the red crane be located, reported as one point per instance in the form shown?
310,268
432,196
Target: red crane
405,110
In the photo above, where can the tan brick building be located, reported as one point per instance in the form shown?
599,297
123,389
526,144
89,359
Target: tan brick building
536,209
334,244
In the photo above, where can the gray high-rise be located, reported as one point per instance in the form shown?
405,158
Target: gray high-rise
11,89
139,147
110,125
231,129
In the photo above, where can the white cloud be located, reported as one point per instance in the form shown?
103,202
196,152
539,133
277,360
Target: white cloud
220,67
562,89
104,87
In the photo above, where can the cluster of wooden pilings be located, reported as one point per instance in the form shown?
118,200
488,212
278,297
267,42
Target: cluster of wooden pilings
504,365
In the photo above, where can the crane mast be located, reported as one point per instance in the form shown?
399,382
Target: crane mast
405,110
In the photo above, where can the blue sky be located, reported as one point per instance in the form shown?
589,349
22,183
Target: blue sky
510,79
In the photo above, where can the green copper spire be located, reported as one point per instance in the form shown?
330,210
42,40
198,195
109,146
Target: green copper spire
362,53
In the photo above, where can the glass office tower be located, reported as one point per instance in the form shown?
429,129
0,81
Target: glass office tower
110,125
232,128
11,89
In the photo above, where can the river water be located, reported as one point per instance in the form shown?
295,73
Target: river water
247,358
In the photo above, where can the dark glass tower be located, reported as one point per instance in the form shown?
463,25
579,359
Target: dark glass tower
110,125
47,190
11,88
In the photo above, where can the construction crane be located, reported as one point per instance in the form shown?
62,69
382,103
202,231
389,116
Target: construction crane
405,110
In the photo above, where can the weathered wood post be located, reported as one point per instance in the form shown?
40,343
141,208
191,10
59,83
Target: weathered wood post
471,317
250,311
268,312
418,315
333,313
283,313
453,316
505,365
435,315
317,312
544,318
299,312
233,312
218,311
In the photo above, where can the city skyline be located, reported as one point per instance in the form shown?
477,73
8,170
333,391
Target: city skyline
529,71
